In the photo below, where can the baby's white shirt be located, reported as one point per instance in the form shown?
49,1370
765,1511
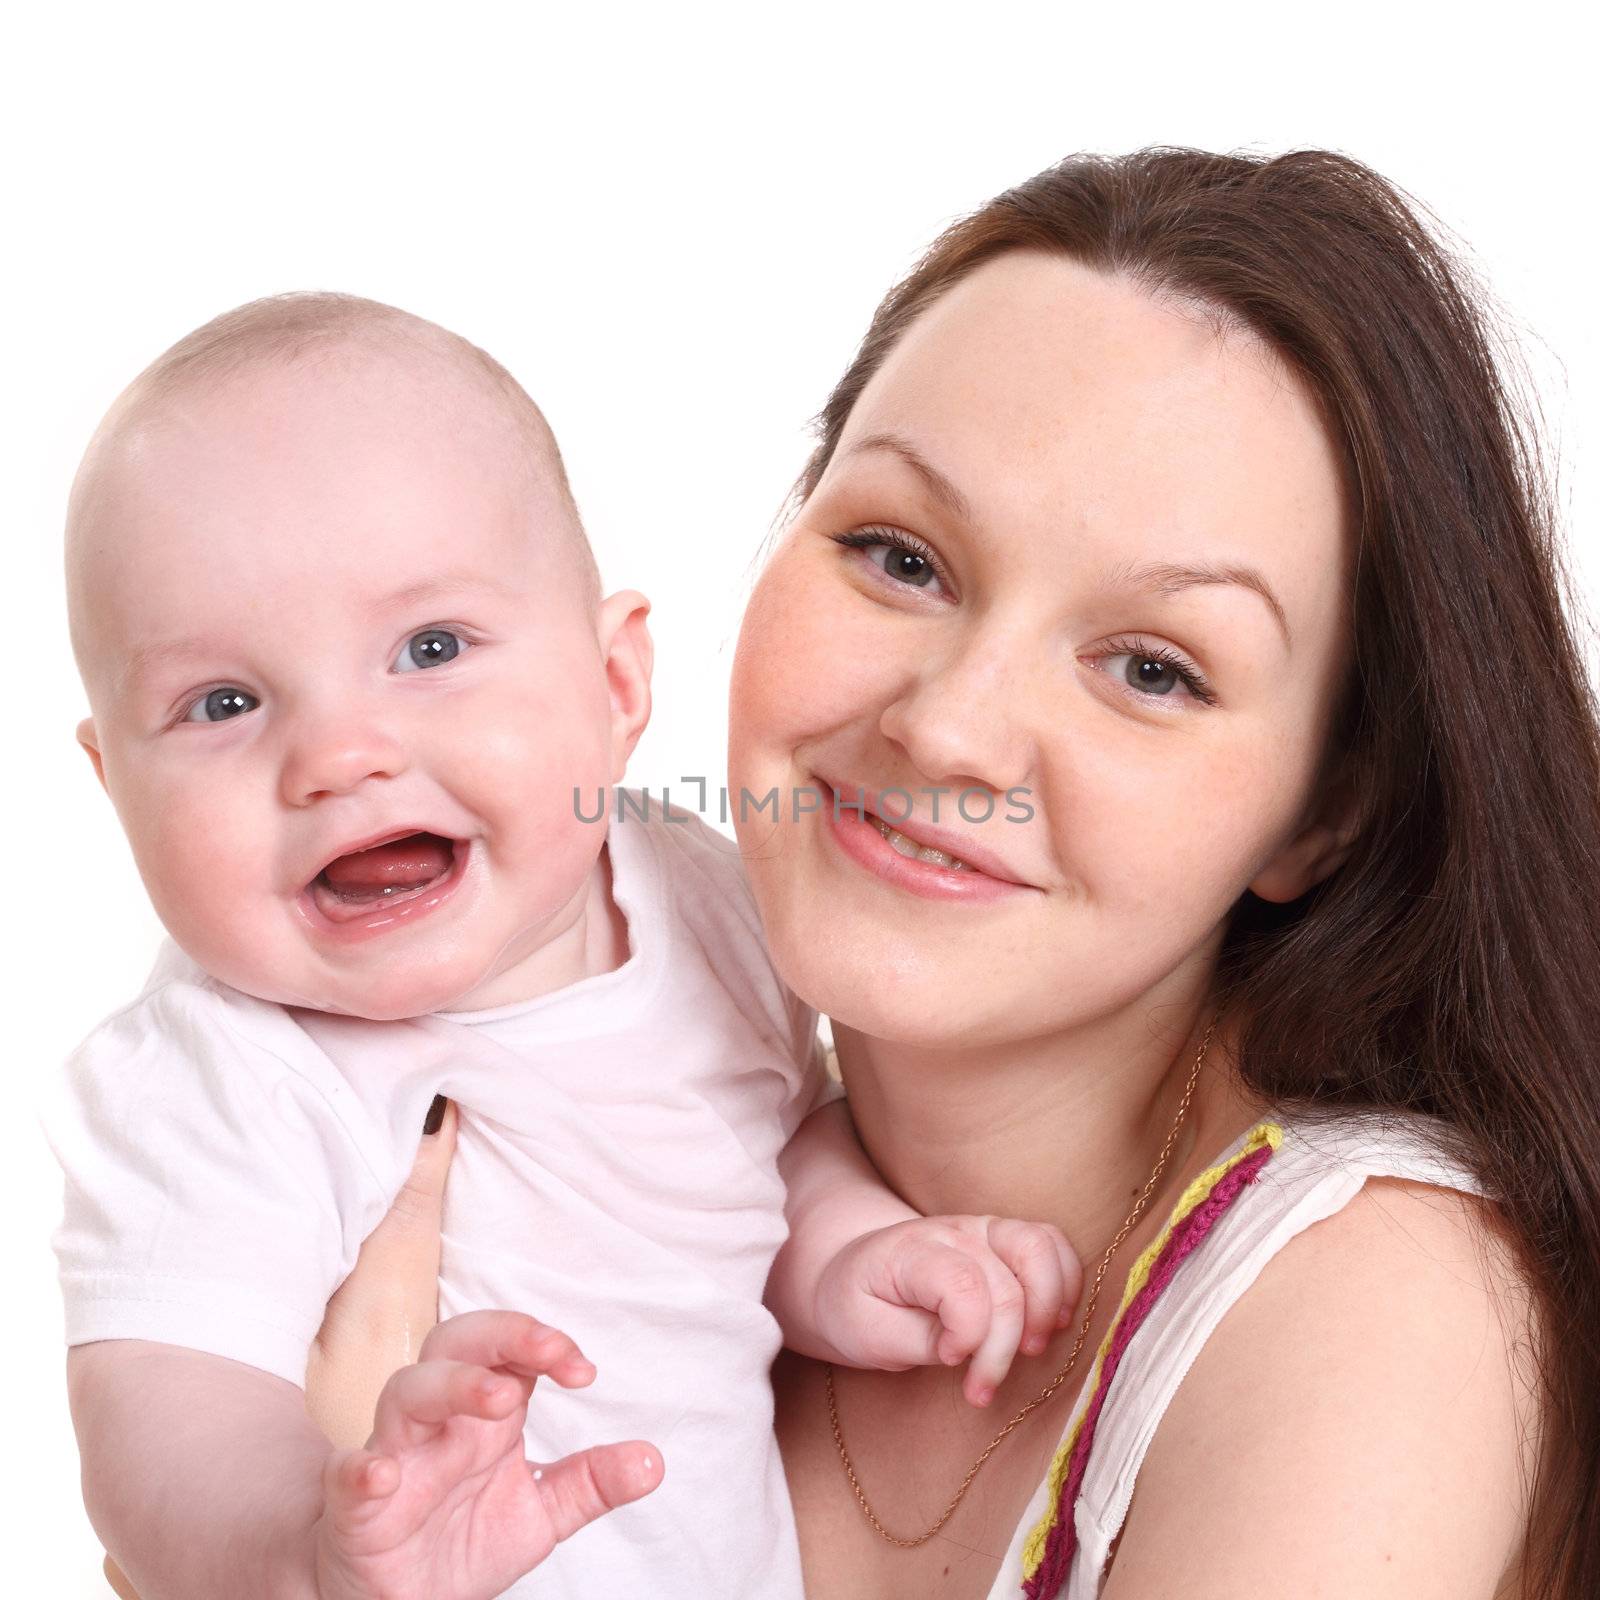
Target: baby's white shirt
615,1177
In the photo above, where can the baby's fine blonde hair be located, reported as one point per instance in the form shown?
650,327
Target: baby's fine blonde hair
310,326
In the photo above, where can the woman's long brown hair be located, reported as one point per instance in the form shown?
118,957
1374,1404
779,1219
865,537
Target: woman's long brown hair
1452,965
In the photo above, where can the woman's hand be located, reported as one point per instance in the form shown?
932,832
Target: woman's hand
380,1315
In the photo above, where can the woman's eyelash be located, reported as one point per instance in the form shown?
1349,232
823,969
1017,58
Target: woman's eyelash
895,538
1186,670
898,539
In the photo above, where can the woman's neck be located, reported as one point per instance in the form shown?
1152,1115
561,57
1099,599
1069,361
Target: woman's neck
1063,1129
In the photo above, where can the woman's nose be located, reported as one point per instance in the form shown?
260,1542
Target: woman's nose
338,753
962,720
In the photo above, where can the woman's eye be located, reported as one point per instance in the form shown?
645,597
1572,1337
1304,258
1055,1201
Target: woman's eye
1156,673
430,648
896,555
221,705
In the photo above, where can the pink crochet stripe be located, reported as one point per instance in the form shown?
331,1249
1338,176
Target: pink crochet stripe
1051,1573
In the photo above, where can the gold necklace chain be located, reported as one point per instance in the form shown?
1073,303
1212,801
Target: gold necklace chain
1054,1384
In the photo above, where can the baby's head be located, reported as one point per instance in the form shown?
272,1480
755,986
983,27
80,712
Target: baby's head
347,658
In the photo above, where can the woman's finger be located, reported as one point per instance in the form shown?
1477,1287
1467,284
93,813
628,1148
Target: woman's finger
118,1580
380,1315
581,1487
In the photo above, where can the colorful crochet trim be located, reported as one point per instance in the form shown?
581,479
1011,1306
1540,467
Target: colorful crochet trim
1047,1555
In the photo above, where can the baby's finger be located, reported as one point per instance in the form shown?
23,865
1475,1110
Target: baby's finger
418,1399
951,1284
1037,1258
354,1480
513,1341
992,1359
581,1487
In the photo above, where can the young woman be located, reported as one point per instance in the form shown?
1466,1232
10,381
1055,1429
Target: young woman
1174,504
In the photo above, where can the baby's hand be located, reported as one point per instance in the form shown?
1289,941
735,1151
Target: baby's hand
441,1501
941,1289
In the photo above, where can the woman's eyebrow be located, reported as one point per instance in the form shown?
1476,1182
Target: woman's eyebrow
1163,577
936,483
1169,577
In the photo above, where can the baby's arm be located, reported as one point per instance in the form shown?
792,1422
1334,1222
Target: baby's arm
204,1476
867,1281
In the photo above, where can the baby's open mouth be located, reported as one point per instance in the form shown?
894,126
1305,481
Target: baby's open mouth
384,874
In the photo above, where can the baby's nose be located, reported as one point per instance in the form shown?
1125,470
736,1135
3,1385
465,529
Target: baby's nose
335,758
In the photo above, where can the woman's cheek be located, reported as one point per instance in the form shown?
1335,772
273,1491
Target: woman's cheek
813,656
758,716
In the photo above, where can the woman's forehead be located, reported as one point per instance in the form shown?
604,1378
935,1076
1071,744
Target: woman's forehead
1049,351
1046,395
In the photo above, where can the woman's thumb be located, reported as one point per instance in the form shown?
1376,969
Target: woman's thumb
379,1316
421,1201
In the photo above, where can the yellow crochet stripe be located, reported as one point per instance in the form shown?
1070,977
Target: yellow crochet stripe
1264,1133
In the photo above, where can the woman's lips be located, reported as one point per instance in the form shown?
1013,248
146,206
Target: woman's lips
373,908
862,840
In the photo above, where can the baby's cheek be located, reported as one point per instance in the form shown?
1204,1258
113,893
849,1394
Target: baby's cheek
524,770
191,855
530,779
207,877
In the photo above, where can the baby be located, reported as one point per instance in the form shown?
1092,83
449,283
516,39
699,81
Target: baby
355,690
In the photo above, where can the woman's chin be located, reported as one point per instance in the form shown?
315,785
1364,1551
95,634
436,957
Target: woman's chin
883,1000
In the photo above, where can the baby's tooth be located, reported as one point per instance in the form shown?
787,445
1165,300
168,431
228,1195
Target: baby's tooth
901,843
938,857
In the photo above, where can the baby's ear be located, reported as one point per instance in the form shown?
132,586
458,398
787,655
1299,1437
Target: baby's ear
629,656
91,748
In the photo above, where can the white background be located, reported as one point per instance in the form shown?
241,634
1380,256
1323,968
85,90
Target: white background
672,224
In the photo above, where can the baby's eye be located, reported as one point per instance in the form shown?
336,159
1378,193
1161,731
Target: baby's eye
430,648
221,705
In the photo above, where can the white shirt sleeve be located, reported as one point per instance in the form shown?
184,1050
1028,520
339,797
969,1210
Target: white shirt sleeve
703,884
215,1194
818,1086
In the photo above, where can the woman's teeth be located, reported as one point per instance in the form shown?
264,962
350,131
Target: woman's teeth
918,852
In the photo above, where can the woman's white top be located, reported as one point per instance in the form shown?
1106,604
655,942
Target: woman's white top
1312,1169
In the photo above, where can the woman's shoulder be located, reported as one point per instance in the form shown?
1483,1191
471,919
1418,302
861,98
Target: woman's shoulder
1376,1142
1375,1375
